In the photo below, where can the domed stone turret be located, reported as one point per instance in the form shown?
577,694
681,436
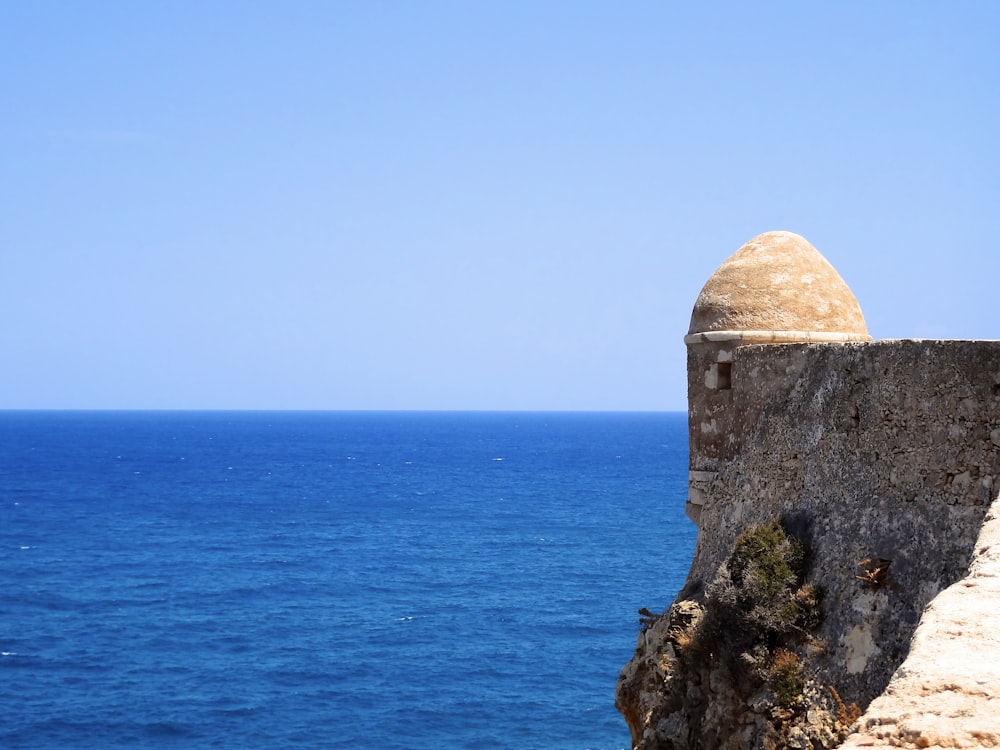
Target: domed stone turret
776,289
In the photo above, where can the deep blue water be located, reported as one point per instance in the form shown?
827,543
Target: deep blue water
320,580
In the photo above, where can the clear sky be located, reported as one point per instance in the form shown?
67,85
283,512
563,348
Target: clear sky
468,205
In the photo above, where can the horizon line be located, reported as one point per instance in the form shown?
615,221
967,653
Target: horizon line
220,410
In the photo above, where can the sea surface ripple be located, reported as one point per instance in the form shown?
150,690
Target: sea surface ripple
330,579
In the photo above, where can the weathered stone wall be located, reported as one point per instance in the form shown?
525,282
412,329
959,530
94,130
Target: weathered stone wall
710,412
947,692
878,450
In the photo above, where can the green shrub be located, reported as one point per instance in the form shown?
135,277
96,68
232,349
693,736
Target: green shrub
759,609
768,554
766,564
760,590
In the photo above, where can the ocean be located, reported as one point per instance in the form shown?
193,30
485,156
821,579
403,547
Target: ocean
331,579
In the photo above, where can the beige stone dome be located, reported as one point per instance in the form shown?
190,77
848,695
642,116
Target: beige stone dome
778,283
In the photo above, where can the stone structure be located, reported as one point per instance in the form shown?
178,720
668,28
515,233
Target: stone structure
775,289
885,451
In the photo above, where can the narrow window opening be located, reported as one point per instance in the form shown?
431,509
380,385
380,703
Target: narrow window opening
724,375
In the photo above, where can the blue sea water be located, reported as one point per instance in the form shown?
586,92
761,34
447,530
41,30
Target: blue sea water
330,579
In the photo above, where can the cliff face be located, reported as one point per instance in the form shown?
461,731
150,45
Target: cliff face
883,452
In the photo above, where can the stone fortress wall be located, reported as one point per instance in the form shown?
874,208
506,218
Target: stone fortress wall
885,450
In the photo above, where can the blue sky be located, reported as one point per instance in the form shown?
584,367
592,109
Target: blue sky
468,205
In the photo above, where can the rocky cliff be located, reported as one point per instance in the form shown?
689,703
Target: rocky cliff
879,461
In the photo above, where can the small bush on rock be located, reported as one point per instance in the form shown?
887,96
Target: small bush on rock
744,641
760,593
786,677
760,608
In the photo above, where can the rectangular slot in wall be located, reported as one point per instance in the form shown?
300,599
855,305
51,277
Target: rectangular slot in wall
724,375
